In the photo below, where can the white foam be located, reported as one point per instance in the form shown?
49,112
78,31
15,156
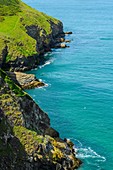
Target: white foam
48,53
46,63
86,152
40,80
89,153
44,87
77,143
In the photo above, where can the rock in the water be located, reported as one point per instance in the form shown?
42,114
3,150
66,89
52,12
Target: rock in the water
67,41
62,45
70,32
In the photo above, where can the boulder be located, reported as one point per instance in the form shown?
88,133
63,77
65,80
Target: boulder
26,81
62,45
52,132
68,32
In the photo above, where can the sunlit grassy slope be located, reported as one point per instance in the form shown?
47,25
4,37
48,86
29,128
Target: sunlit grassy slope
14,17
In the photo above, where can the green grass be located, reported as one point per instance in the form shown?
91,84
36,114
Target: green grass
9,7
15,88
19,41
29,139
14,17
9,2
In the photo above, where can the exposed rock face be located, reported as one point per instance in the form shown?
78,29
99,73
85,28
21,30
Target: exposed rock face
51,132
61,45
3,55
44,43
32,34
26,81
61,40
28,112
26,139
68,32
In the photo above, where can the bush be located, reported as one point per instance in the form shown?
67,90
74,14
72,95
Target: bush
2,18
8,10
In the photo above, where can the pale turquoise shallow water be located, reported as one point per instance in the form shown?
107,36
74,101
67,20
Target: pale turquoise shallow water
79,95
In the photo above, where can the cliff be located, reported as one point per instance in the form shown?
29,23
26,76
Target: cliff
27,140
25,34
25,81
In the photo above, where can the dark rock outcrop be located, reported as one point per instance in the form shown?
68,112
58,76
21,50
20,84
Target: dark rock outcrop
52,132
68,32
21,108
3,55
44,43
61,40
61,45
26,139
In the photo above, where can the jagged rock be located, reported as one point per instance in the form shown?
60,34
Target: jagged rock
52,132
27,142
68,32
23,110
3,55
38,35
26,139
67,41
62,45
60,40
26,81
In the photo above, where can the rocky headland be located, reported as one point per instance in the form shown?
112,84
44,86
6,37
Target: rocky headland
27,140
29,35
25,81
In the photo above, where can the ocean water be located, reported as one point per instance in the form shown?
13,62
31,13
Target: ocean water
79,92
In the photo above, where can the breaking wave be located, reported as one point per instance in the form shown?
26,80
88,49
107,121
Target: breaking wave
87,153
47,63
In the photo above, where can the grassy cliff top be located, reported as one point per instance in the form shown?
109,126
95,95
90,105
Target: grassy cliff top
8,2
9,7
15,16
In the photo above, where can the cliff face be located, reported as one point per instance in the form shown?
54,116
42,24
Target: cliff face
26,139
20,108
29,34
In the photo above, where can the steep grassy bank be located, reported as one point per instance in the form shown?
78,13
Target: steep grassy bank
25,34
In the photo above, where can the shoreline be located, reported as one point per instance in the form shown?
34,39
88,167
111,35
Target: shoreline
27,139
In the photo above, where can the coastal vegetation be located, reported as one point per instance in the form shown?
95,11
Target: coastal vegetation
16,19
27,140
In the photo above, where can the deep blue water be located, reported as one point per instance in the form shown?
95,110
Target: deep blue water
79,95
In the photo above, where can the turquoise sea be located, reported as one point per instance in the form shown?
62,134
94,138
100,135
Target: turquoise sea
79,92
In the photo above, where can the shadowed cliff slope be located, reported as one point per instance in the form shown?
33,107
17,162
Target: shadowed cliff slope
26,139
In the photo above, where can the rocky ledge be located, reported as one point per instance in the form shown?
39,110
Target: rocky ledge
27,141
26,81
